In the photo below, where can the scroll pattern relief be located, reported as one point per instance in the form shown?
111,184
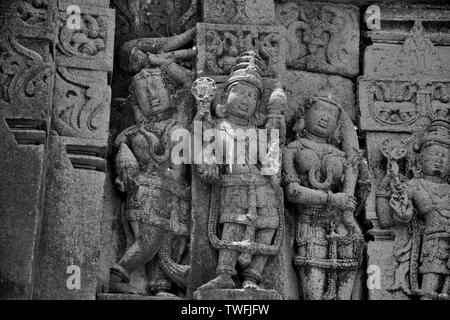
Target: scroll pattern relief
220,46
239,11
89,47
162,18
25,77
81,105
321,37
403,105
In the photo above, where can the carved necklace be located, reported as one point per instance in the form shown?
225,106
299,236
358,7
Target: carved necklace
323,154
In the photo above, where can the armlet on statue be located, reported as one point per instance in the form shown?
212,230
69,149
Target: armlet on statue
290,178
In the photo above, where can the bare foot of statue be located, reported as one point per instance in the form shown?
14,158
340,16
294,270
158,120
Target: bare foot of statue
250,285
222,281
125,288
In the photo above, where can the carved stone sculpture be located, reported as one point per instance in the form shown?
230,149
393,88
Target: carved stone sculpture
158,192
320,171
418,210
247,204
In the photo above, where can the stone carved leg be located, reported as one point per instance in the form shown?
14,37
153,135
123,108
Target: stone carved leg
227,259
313,280
160,283
432,283
346,281
253,272
140,252
144,249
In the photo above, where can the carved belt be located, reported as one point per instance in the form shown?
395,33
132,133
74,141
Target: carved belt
177,188
317,215
243,179
333,243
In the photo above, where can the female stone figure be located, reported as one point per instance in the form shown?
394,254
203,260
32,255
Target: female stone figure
158,193
320,175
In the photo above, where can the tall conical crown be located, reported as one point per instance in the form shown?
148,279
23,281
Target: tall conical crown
438,131
248,69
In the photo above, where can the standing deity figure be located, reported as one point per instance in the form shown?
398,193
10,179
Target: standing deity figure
320,173
158,192
246,219
419,211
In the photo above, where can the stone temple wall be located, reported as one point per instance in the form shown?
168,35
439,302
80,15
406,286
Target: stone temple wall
92,205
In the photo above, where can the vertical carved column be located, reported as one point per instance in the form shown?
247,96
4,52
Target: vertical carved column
26,83
77,150
405,86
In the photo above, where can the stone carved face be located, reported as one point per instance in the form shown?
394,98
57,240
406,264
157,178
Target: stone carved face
242,100
150,93
436,160
321,119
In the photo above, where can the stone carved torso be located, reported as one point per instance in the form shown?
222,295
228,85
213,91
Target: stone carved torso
431,200
310,155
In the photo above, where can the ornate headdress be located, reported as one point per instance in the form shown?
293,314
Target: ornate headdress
247,69
326,96
438,131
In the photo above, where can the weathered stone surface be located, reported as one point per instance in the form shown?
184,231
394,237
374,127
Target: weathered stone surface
108,296
22,172
329,243
307,22
92,46
416,57
71,222
239,11
26,68
377,165
203,255
239,294
244,200
413,201
28,19
219,46
397,19
380,259
81,104
390,61
401,105
300,85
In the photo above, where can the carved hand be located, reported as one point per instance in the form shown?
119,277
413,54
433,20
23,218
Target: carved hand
127,179
402,207
209,173
342,201
157,59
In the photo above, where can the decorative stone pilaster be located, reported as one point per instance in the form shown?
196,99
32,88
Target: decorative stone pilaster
77,150
27,34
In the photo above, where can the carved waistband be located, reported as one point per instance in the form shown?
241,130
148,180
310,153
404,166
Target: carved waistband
177,188
243,179
317,214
